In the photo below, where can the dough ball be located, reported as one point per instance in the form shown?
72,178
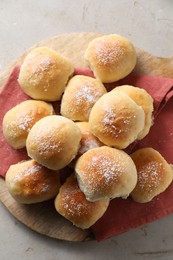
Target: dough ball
72,204
53,142
29,182
116,120
44,74
106,172
79,97
111,57
154,174
19,120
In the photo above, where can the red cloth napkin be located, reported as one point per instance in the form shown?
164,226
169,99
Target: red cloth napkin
10,96
122,215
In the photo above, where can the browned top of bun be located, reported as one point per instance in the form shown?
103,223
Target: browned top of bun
19,120
142,99
53,141
79,97
72,204
116,119
154,174
29,182
44,74
111,57
105,172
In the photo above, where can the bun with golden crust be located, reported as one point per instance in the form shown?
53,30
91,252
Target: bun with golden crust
116,120
19,120
53,141
111,57
44,74
105,172
142,99
28,182
154,174
72,204
79,97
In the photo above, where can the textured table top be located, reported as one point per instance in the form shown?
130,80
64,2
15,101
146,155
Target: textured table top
149,25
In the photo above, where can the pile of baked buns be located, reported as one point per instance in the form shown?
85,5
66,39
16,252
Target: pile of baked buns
89,134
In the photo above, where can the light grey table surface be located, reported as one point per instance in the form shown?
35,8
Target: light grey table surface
149,25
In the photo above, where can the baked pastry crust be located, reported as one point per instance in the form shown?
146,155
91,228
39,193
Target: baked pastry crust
106,172
116,119
111,57
53,141
72,204
154,174
142,99
29,182
19,120
44,74
79,97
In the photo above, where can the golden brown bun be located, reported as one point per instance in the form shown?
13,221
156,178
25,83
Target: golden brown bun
28,182
116,119
142,99
106,172
72,204
79,97
154,174
19,120
53,141
111,57
88,140
44,74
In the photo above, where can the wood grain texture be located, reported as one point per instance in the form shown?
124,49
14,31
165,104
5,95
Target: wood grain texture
42,217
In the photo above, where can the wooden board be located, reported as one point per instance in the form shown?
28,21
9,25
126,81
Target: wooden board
42,217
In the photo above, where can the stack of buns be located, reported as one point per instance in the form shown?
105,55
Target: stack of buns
93,128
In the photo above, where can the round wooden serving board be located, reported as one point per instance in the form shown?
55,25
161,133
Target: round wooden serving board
42,217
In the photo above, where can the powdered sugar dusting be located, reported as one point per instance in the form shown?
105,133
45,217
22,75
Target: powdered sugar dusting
74,201
149,176
38,72
80,97
45,188
27,171
105,168
49,144
109,121
24,122
73,206
116,124
87,93
42,66
32,179
33,169
109,53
